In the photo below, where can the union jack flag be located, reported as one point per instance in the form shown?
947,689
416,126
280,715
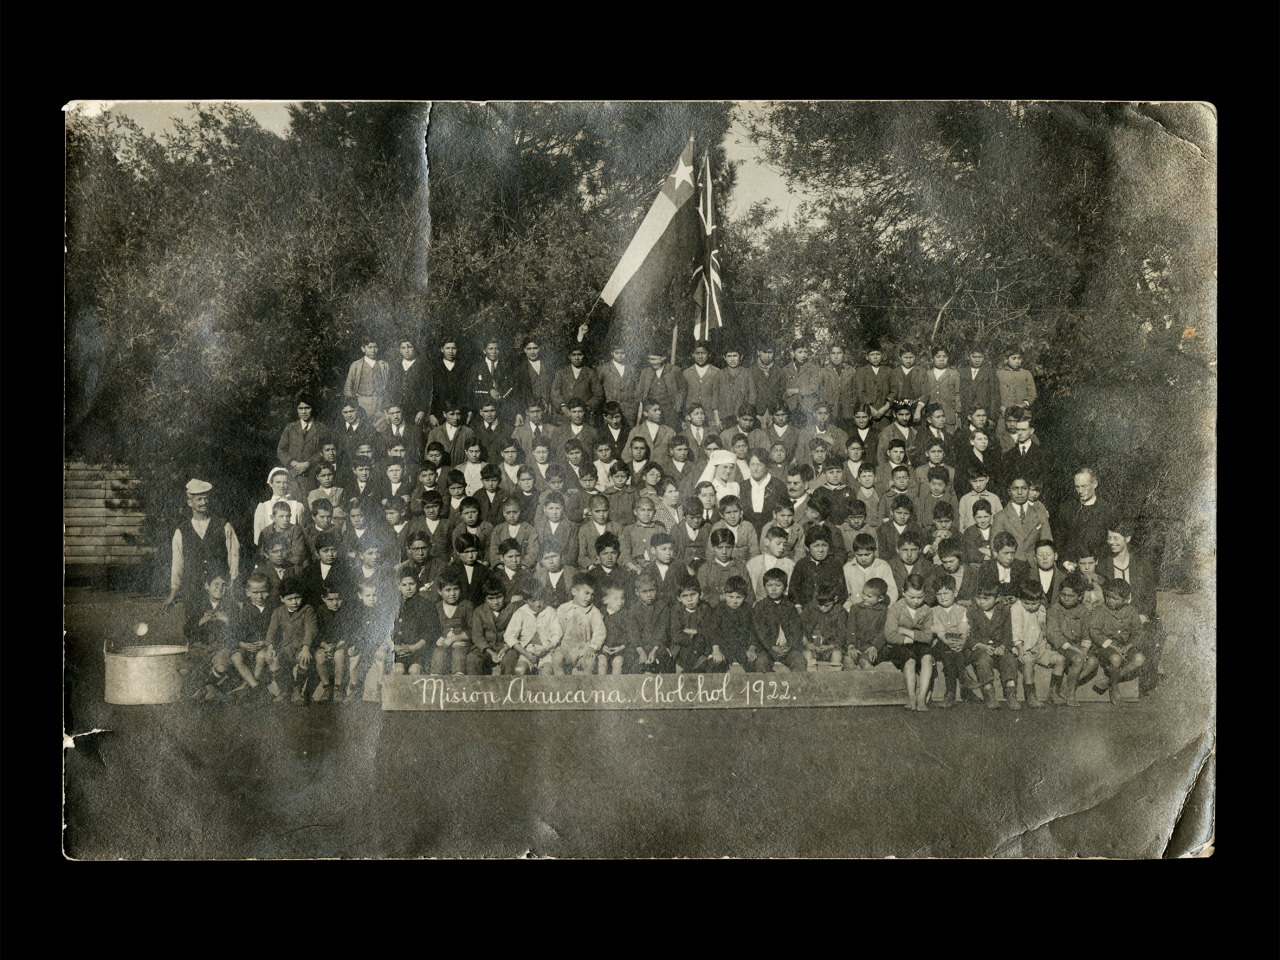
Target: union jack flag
706,277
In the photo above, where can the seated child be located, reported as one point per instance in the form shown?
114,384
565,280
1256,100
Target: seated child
1066,630
607,572
454,615
691,537
978,491
650,626
826,629
908,632
943,523
990,644
278,480
730,634
864,567
897,457
663,568
250,633
950,631
687,646
428,480
368,643
619,492
210,632
636,537
617,634
745,542
1027,622
772,557
839,497
908,562
1005,568
714,574
933,493
335,623
1114,630
582,632
776,630
1087,565
290,638
489,653
457,486
283,527
534,630
415,626
866,642
819,572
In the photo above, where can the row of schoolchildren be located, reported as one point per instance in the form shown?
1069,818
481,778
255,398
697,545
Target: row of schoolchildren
802,616
424,392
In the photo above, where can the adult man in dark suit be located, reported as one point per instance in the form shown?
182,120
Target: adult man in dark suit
1082,522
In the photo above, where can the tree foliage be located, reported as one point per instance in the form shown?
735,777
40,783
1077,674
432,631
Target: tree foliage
1082,233
214,272
533,204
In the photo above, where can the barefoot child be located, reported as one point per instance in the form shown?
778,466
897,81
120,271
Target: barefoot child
908,630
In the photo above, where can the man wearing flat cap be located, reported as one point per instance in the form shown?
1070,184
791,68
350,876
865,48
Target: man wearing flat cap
203,546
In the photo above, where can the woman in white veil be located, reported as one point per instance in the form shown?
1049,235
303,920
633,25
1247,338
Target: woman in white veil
722,465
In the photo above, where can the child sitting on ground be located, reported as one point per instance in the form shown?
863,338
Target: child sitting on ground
616,631
776,630
826,629
489,653
454,615
582,632
731,629
1066,630
534,630
950,631
866,643
415,626
908,631
1114,629
686,648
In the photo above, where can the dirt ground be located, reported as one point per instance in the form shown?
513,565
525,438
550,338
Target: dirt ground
224,781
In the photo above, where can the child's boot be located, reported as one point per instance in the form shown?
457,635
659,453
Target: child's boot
1056,698
1033,696
321,694
1011,697
989,696
277,694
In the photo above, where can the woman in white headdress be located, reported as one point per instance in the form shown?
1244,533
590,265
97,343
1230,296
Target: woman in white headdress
722,467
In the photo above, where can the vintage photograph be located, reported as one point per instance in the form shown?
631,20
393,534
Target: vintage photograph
639,479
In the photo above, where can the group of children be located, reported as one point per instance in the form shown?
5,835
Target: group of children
752,519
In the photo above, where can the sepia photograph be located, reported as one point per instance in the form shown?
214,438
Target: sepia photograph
582,480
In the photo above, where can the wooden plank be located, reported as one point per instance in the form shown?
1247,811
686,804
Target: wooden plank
101,530
120,541
112,503
102,515
91,473
98,493
99,488
877,687
115,551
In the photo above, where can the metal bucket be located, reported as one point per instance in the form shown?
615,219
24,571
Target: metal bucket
144,674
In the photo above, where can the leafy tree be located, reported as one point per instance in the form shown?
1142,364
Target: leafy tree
215,272
1081,232
532,205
